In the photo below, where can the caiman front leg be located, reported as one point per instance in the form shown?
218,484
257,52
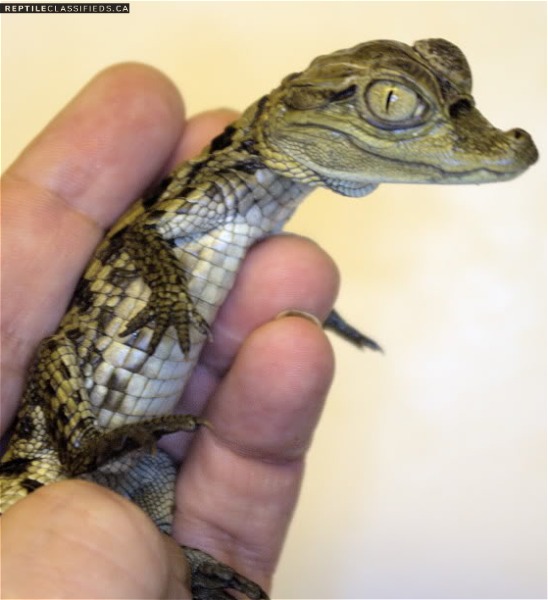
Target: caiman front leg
170,303
82,446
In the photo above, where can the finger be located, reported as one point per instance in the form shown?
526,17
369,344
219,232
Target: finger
237,492
53,536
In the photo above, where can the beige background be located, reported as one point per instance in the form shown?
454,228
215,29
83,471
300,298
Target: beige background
427,475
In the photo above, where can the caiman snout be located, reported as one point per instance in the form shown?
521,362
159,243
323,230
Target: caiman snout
524,145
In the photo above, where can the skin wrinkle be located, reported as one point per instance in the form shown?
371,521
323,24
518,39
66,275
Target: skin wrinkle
44,216
247,453
50,203
15,178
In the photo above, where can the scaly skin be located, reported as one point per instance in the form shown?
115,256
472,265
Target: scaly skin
102,389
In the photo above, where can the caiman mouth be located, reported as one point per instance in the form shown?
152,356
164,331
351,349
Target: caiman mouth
512,152
497,156
482,147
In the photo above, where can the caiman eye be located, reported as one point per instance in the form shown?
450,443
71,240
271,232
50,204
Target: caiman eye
394,103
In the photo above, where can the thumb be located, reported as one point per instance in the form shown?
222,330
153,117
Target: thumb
75,539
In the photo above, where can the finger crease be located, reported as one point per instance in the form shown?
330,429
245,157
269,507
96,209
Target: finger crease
54,197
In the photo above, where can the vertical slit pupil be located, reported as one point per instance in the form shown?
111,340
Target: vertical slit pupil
389,100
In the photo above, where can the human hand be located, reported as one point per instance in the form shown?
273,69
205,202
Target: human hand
261,382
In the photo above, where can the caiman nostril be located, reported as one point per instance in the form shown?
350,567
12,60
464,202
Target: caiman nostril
518,133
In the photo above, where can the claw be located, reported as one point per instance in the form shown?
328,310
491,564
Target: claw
212,579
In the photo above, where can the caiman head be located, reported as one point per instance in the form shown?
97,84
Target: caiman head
384,111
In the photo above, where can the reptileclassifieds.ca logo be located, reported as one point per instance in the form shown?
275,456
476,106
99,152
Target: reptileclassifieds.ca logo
63,7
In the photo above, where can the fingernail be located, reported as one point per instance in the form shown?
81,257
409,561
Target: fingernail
295,312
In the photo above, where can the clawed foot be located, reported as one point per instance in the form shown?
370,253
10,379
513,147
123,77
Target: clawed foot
169,304
211,579
102,446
